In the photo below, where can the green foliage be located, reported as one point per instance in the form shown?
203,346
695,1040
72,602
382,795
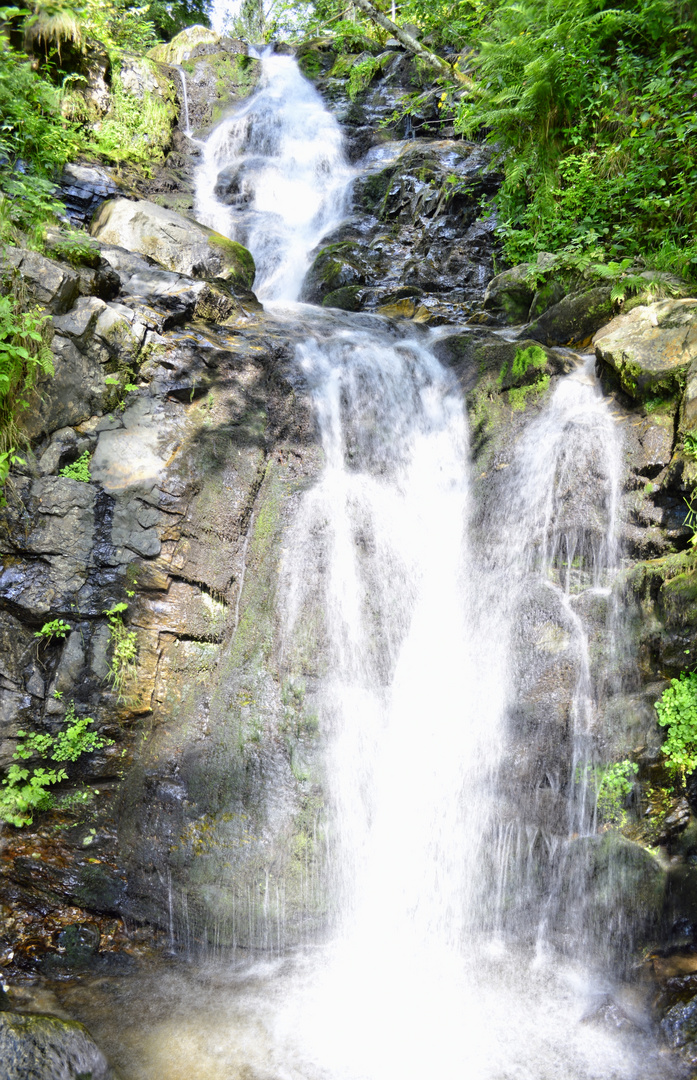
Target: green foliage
677,712
594,109
79,470
56,628
8,458
689,444
123,669
76,247
612,785
533,356
35,143
361,76
168,17
120,24
136,131
25,791
53,24
24,355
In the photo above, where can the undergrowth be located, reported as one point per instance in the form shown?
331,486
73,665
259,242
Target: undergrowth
124,644
677,712
25,333
25,790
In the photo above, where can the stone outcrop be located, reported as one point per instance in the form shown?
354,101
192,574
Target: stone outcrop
36,1047
175,242
651,348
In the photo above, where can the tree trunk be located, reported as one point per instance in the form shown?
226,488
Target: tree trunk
407,40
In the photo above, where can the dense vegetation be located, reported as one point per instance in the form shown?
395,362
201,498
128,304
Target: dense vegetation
593,105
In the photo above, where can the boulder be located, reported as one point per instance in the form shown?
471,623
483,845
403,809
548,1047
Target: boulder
679,1028
336,269
195,41
614,891
651,348
510,294
174,241
52,285
574,318
35,1046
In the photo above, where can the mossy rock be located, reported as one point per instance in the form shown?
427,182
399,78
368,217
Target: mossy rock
39,1045
348,298
336,267
651,349
174,241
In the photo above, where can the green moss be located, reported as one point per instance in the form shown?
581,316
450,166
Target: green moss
518,395
239,258
533,356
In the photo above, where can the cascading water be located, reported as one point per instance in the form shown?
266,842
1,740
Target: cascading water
274,176
445,635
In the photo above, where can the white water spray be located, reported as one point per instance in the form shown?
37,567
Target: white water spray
274,177
429,970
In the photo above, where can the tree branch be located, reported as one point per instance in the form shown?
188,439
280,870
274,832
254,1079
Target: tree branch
410,42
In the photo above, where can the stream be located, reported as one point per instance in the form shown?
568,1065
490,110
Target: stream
460,941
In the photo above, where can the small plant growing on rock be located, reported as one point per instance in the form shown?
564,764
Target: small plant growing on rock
613,786
690,444
677,711
25,791
122,671
56,628
79,470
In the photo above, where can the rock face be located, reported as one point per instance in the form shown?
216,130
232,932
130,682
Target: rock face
36,1047
175,242
651,348
203,819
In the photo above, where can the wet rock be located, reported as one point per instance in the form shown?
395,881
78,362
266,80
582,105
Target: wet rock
51,284
651,348
83,188
615,891
41,1047
679,1028
510,294
573,319
336,267
175,242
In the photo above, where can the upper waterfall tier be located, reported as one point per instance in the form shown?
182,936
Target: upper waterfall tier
274,177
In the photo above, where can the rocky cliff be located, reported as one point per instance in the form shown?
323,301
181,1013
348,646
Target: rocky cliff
200,817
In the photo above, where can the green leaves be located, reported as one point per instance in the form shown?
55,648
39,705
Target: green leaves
24,791
593,108
79,469
677,712
56,628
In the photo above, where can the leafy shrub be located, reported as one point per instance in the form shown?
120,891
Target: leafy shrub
24,355
25,791
594,107
677,711
56,628
78,470
122,670
613,784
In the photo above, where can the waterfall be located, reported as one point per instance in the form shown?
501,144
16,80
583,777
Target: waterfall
274,176
455,768
185,102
